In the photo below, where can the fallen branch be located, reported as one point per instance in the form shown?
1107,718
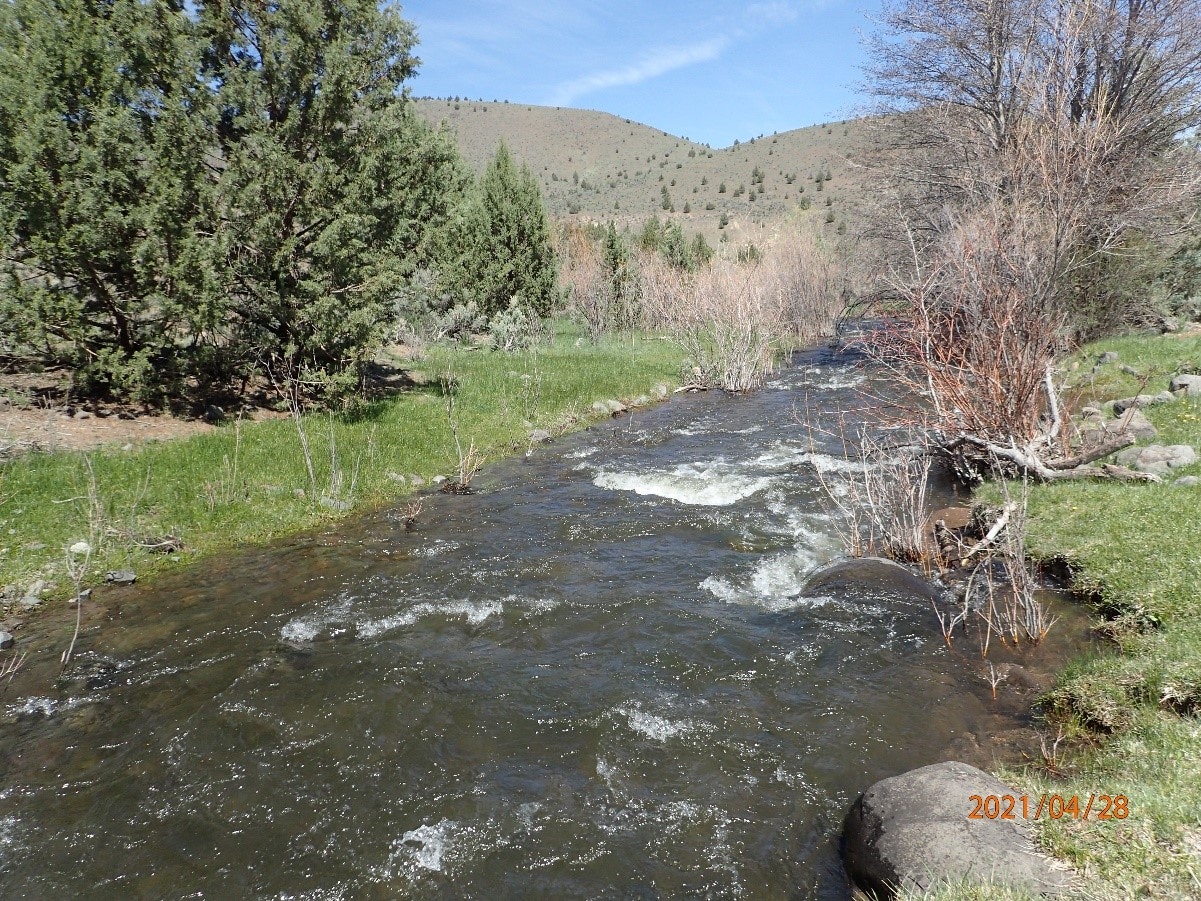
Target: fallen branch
992,534
1104,449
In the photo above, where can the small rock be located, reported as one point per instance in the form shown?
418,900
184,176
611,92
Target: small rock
1188,482
35,546
1189,384
1169,325
416,481
1158,458
539,436
213,413
641,400
34,591
6,641
662,390
126,415
1130,370
1091,412
1110,356
333,503
395,477
29,603
120,577
438,480
299,492
127,447
83,414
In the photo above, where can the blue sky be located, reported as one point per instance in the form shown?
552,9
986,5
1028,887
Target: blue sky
710,70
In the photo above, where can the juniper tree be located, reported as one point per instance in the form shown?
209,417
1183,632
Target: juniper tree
500,248
103,132
329,189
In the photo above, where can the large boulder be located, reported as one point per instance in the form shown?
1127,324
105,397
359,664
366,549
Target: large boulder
913,831
1158,458
868,574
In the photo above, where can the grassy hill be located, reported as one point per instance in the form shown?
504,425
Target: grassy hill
596,166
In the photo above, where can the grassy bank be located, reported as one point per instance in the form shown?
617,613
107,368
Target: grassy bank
249,482
1131,715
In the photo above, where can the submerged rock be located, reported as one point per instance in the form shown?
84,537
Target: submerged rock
914,830
871,574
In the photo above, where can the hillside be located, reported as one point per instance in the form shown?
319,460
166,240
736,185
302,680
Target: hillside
596,166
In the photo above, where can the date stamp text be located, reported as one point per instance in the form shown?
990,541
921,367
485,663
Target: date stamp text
1055,807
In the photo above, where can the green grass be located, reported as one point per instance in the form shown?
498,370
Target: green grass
1131,712
249,483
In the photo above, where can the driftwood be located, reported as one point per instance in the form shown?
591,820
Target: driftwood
1029,462
992,534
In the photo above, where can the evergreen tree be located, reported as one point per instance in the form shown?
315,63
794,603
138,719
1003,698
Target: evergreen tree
503,249
330,190
102,188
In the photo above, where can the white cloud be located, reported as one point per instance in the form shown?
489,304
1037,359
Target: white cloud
653,65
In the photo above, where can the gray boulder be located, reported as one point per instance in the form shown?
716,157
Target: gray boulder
1187,482
609,407
1142,400
120,576
1158,458
1189,384
6,641
1138,425
913,831
1110,356
539,436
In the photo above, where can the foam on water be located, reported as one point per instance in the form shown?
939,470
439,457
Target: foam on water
428,844
475,612
304,629
713,484
772,584
657,728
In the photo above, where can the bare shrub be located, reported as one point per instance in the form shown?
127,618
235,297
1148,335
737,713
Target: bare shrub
879,499
735,318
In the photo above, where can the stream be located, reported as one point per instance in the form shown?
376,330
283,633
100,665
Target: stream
600,676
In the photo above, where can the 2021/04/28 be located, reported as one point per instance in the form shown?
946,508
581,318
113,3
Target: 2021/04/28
1012,807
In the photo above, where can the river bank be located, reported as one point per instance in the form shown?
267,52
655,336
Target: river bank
151,507
1125,721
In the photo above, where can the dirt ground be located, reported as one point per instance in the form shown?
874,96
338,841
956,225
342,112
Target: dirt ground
34,415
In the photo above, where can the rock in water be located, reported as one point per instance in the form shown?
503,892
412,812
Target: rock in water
913,830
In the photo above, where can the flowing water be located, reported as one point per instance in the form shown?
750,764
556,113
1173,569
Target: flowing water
599,677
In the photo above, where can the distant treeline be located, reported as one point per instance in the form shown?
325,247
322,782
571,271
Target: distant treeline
195,196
